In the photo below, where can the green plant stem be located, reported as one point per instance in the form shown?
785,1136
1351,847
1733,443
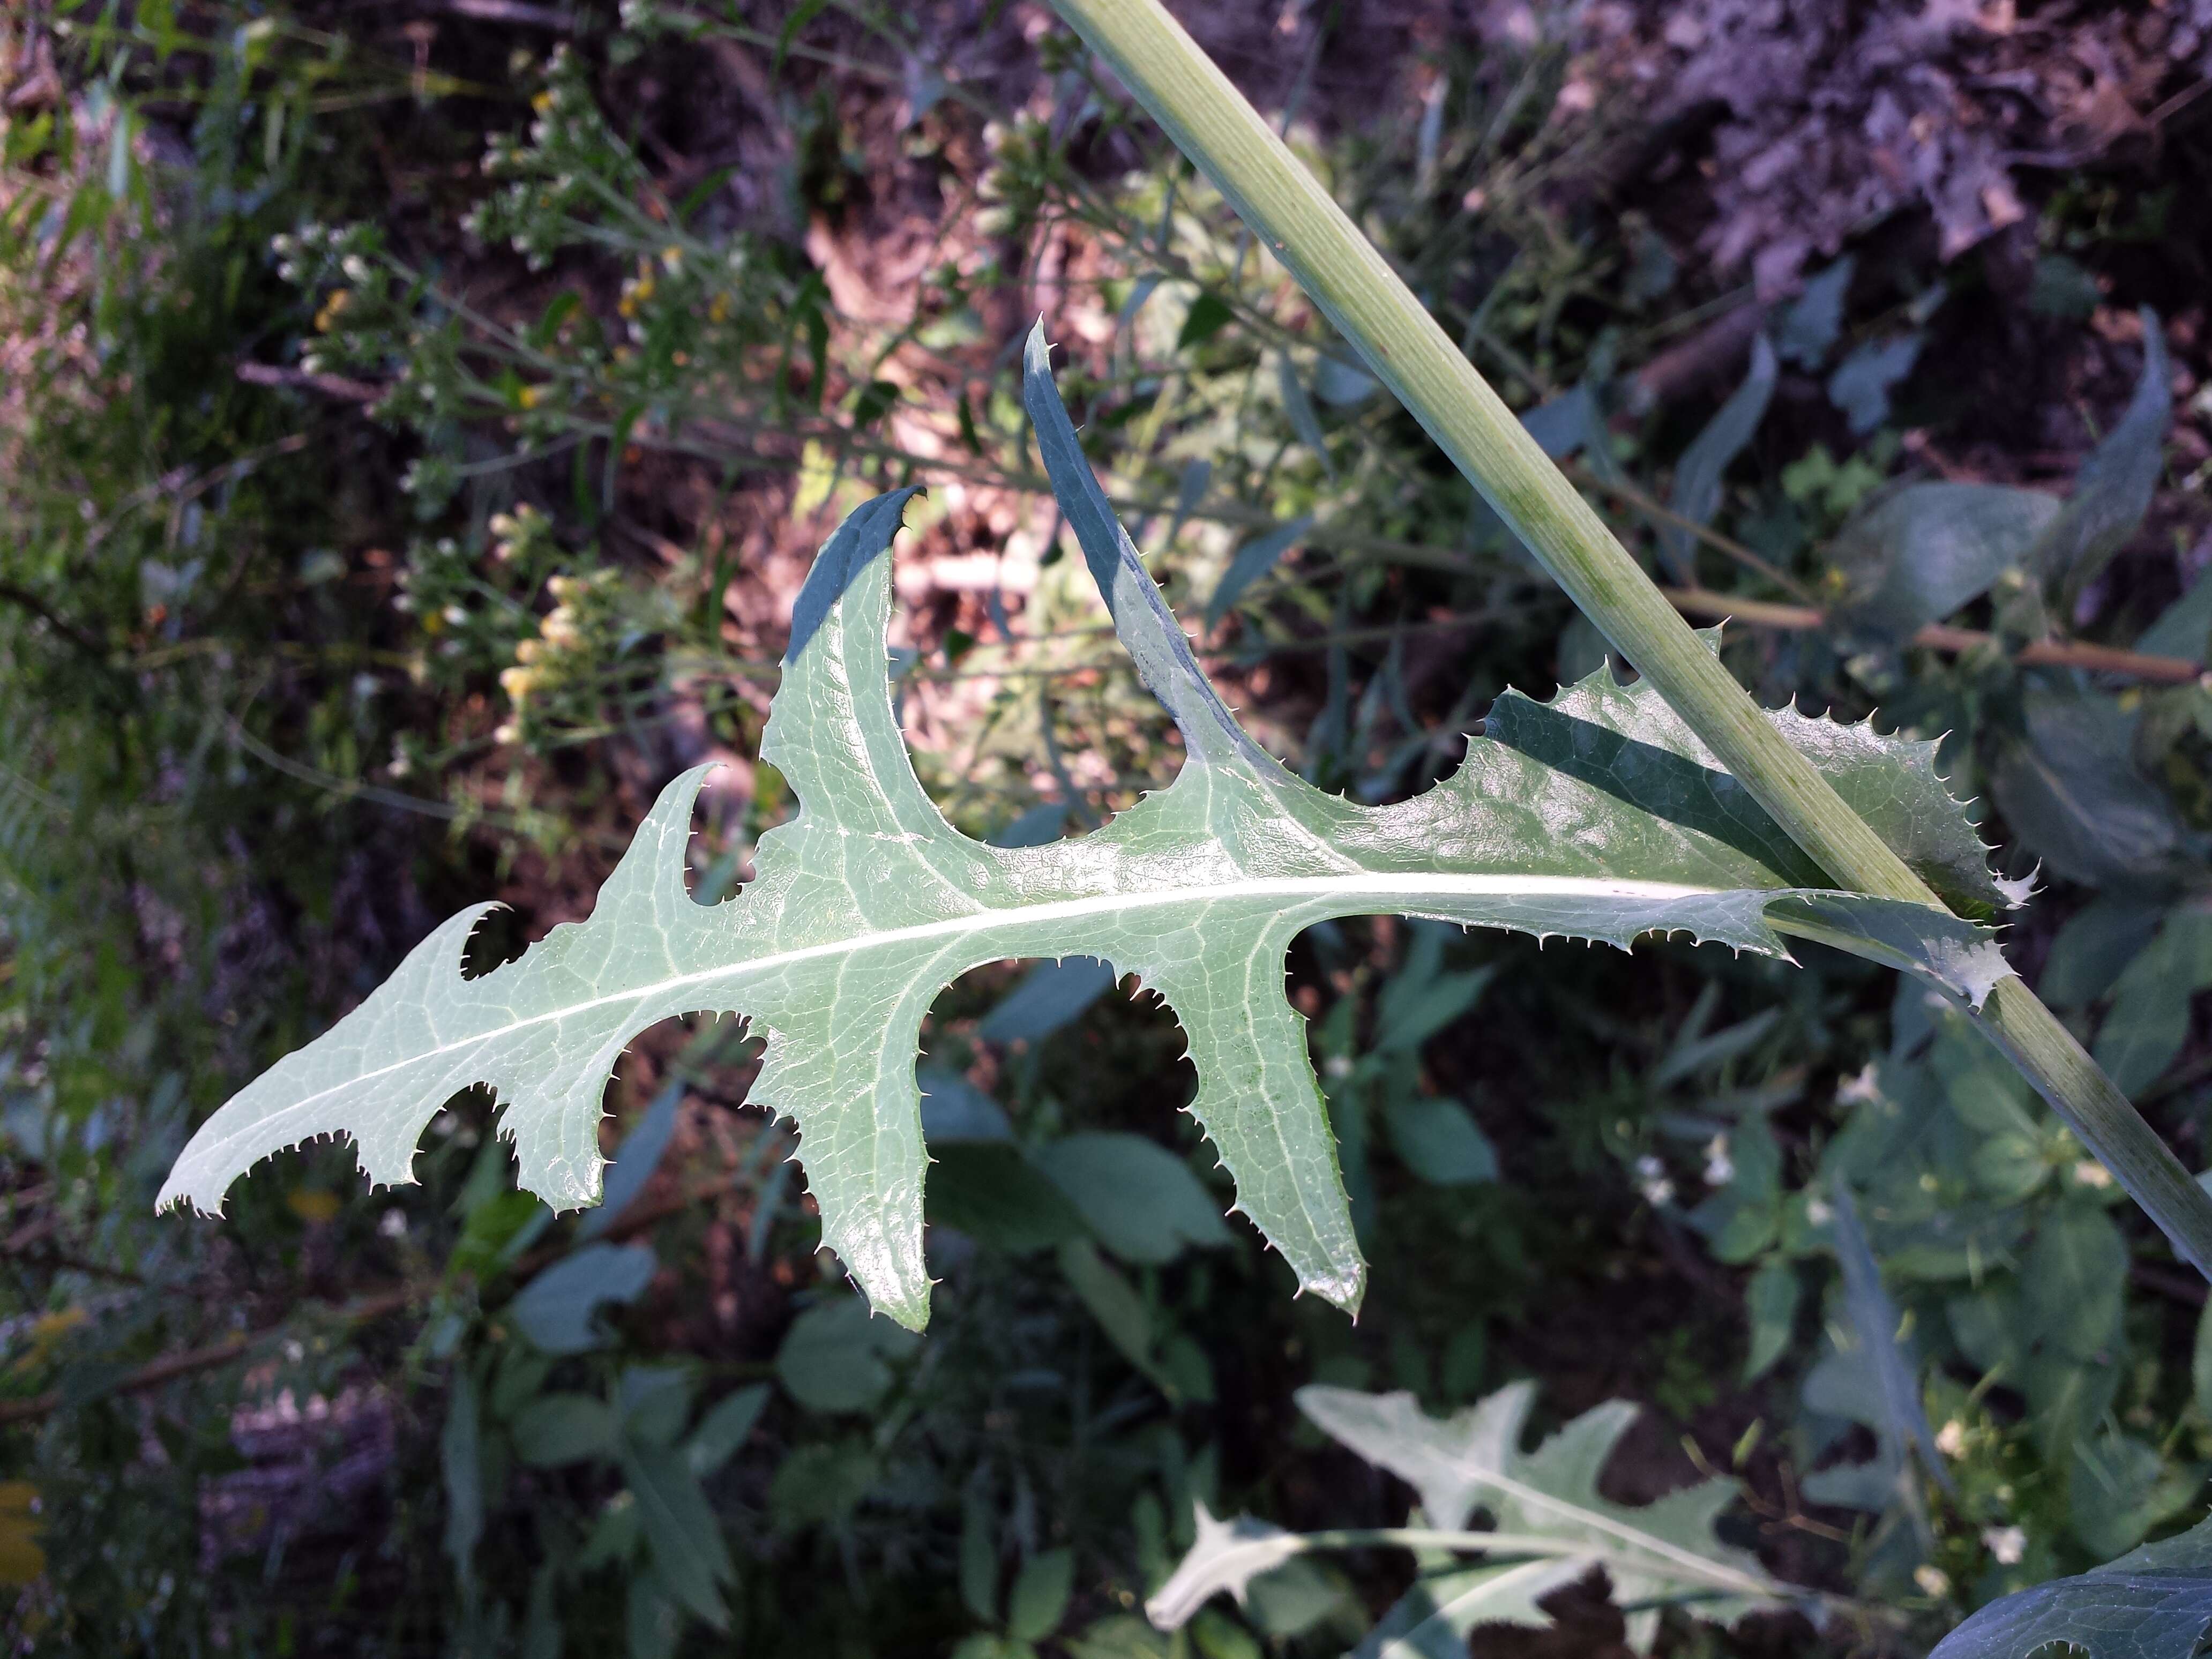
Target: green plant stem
1216,127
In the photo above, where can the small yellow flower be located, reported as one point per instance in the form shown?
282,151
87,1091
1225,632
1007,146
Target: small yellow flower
718,310
541,102
529,650
333,308
671,258
517,682
560,631
532,396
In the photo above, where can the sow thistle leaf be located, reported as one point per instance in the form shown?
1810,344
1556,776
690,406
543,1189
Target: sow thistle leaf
1544,1504
1597,816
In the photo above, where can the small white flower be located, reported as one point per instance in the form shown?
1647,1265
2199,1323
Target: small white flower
2090,1173
1720,1168
2007,1544
1951,1439
1933,1581
393,1223
1818,1212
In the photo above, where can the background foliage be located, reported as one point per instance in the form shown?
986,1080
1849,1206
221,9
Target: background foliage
416,422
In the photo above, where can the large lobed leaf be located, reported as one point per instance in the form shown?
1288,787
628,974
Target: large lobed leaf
1597,817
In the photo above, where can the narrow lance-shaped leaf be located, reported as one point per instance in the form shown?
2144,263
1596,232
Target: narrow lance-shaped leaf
1597,817
2113,489
1698,476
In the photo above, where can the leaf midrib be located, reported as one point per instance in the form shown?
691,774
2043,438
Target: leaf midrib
1351,888
1692,1563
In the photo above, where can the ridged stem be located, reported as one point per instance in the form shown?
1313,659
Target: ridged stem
1216,127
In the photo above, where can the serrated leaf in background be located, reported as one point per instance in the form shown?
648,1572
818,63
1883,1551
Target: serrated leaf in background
1668,1549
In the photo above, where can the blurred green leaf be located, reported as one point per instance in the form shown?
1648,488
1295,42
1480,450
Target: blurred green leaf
635,1161
557,1309
2184,628
2143,1031
1770,1302
992,1191
2097,942
2118,1488
1917,554
1438,1141
2155,1603
979,1562
1815,319
1290,1600
655,1401
460,1455
1862,383
1140,1199
2069,788
1052,995
955,1109
2112,491
559,1429
1038,1600
1208,314
1255,558
688,1554
2060,287
837,1356
726,1427
1698,476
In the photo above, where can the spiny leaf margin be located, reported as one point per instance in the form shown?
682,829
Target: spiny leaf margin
867,903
